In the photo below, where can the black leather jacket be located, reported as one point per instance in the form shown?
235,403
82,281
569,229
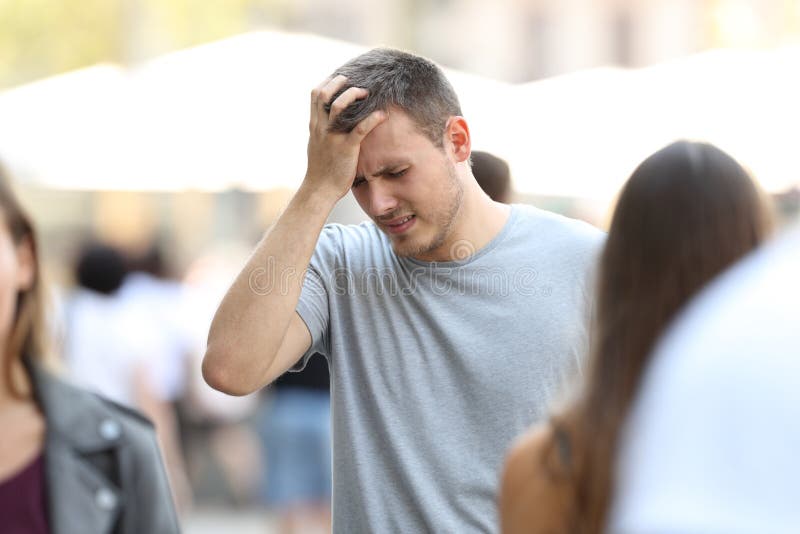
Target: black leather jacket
103,468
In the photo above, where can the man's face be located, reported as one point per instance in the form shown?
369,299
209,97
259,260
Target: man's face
408,186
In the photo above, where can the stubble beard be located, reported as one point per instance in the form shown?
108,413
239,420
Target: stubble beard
443,220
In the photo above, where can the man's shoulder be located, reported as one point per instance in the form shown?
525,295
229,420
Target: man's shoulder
529,214
562,232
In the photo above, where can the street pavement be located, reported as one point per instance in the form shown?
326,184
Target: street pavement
220,520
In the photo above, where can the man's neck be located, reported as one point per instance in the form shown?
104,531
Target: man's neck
478,222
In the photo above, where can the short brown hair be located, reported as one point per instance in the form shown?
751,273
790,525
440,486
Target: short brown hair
398,79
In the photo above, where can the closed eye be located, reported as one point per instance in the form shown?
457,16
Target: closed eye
358,181
396,174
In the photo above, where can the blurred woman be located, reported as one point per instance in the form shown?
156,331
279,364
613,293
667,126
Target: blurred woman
687,212
70,461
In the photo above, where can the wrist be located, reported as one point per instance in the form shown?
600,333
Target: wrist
317,198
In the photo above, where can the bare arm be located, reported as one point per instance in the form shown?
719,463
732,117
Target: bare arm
534,494
162,414
256,334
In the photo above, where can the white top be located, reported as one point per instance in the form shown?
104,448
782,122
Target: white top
104,347
713,441
158,308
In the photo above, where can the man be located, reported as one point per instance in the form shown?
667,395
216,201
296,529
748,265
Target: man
449,321
712,440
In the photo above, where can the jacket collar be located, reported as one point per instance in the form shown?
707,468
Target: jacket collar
74,415
81,498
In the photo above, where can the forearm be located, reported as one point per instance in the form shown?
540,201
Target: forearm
250,323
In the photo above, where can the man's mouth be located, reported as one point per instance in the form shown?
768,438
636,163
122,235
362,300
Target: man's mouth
399,225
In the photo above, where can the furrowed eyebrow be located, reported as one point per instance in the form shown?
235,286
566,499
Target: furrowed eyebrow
386,169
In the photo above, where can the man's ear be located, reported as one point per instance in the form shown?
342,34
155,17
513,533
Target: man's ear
26,264
457,138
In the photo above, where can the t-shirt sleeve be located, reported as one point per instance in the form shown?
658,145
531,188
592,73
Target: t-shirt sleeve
314,306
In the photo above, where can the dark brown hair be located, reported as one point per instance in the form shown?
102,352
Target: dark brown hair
687,212
402,80
27,335
492,174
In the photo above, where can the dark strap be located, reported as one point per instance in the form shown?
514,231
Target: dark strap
563,446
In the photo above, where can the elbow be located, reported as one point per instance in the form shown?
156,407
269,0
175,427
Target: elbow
219,372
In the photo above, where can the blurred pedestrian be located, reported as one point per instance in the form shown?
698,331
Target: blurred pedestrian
155,297
102,347
712,439
70,461
493,175
223,449
154,306
687,212
295,427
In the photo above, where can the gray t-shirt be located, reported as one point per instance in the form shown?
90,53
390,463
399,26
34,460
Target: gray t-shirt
437,367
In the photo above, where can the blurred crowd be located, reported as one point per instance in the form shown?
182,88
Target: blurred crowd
134,330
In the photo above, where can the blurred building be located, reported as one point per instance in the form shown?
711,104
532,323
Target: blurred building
523,40
511,40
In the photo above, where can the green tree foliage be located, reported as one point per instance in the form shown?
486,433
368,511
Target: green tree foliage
42,37
39,38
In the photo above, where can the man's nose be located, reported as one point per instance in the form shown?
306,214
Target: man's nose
381,198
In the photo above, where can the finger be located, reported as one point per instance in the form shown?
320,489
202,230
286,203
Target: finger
316,103
345,99
315,93
333,86
364,127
